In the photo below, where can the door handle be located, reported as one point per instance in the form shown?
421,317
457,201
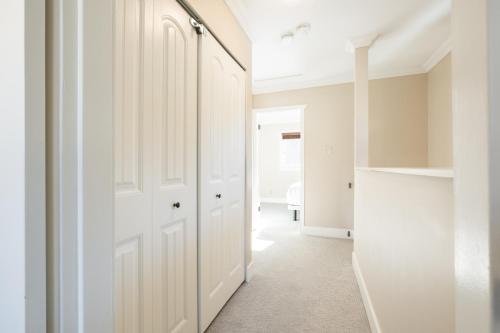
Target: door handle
218,195
177,205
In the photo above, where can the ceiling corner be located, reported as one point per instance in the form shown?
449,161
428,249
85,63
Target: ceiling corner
438,55
361,41
239,13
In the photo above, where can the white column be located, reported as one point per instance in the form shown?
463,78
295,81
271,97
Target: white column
361,97
475,160
360,46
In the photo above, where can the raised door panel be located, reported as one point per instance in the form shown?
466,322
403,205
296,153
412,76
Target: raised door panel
173,243
215,121
174,169
235,129
128,114
129,313
173,102
215,252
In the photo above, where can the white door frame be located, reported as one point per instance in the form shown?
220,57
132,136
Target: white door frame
255,172
80,165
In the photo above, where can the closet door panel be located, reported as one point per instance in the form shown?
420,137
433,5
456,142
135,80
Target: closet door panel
212,181
221,170
235,177
174,169
132,148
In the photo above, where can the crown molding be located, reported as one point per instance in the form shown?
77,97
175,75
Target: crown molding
361,41
438,55
333,80
428,65
396,73
240,14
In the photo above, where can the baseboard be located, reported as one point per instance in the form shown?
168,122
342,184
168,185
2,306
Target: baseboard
249,272
370,311
328,232
274,200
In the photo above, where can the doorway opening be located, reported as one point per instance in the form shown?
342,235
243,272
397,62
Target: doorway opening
278,174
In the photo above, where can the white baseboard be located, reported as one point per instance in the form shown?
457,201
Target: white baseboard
370,311
274,200
328,232
249,272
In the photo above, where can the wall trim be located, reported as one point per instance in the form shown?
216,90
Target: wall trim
333,80
274,200
367,302
80,197
437,56
283,85
249,272
327,232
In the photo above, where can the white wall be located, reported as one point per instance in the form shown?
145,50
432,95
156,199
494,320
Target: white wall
403,243
22,170
12,175
274,182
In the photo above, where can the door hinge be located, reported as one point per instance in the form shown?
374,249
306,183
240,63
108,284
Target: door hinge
200,28
258,127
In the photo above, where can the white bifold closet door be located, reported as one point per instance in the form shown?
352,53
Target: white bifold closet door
222,177
155,123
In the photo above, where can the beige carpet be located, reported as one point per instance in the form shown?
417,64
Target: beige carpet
300,284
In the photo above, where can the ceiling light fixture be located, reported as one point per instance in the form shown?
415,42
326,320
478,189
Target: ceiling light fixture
303,28
287,38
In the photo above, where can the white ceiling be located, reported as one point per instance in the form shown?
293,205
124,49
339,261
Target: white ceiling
412,33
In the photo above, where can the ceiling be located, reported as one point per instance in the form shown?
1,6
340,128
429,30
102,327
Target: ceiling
412,34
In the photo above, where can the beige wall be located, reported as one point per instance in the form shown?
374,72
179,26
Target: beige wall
397,133
440,145
274,182
398,122
404,247
328,149
222,22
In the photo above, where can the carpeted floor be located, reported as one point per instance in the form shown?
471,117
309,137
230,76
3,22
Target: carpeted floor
299,284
